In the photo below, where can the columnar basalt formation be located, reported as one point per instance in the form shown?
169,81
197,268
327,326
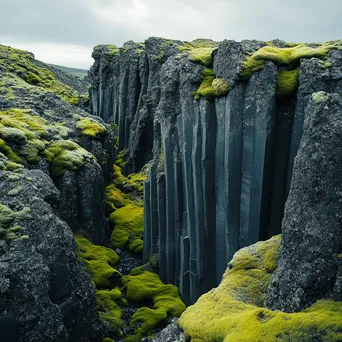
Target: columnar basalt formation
221,151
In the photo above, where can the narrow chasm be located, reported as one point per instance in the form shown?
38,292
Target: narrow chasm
131,298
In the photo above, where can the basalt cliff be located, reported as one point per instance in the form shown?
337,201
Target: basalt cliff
207,174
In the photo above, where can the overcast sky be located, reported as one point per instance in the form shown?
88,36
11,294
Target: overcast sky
65,31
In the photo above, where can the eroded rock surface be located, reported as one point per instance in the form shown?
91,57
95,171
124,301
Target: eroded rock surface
45,293
309,264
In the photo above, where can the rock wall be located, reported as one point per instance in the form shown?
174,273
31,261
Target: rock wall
221,167
309,264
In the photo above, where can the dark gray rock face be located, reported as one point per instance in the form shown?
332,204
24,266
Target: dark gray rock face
45,294
221,170
308,266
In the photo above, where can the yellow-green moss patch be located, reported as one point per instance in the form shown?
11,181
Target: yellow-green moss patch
108,307
234,311
166,300
9,228
91,128
66,155
100,262
128,228
287,82
211,86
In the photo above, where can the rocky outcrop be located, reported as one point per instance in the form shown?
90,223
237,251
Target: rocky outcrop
45,294
34,92
309,264
222,165
55,160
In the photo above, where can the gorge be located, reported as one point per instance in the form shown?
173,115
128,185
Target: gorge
201,174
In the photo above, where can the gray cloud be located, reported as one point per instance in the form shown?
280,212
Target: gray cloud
86,23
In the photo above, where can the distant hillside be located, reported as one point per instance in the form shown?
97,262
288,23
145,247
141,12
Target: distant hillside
72,71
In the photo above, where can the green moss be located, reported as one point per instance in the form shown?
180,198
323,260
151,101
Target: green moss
66,155
202,55
115,198
7,151
100,262
211,87
128,228
108,307
140,286
199,51
124,199
9,228
287,56
220,87
91,128
206,90
16,191
25,130
319,97
23,66
234,311
120,159
287,82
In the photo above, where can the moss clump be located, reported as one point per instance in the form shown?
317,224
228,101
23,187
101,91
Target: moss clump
319,97
100,262
206,90
23,66
9,219
199,51
220,86
66,155
108,307
7,151
287,82
128,228
91,128
140,286
115,198
234,311
26,131
211,86
202,55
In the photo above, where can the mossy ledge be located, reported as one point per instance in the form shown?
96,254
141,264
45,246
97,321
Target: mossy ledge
287,56
235,310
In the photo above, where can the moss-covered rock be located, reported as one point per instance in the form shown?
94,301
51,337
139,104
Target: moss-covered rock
9,219
128,228
142,285
91,128
287,82
235,310
23,65
100,262
211,86
109,309
66,155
